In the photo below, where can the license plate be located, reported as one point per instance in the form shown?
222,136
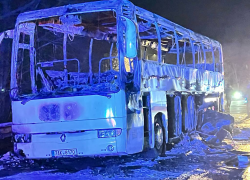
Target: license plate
63,152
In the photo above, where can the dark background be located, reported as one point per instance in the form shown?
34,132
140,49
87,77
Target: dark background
227,21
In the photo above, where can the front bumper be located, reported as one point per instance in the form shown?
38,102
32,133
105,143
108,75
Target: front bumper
86,143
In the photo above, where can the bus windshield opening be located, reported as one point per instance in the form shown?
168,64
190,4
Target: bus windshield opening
68,55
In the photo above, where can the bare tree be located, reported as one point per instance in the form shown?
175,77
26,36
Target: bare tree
7,11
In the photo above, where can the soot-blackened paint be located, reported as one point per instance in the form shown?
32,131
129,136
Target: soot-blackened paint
71,111
49,112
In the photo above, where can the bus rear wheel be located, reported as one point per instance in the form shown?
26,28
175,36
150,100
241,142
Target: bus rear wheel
160,142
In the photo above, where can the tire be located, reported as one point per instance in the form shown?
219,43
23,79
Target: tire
160,139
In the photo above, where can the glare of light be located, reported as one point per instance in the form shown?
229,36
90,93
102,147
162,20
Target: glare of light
109,117
237,95
107,113
210,100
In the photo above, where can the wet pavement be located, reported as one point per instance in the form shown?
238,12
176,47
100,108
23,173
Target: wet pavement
190,159
238,107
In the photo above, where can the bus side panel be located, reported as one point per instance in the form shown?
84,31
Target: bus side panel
135,125
122,139
158,105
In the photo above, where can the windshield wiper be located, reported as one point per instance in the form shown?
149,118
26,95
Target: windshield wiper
28,99
33,97
58,93
96,93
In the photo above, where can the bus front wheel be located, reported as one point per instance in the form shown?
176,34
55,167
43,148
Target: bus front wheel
160,142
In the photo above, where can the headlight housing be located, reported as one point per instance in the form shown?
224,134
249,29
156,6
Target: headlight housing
237,95
108,133
22,138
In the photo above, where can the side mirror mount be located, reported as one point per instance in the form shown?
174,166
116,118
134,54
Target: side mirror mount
130,39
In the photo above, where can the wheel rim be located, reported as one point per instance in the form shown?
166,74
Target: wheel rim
158,136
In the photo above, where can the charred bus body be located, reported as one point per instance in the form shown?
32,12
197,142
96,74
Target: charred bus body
108,78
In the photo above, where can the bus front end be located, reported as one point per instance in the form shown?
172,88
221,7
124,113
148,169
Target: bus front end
70,126
66,89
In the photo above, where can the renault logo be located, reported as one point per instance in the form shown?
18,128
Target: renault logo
63,137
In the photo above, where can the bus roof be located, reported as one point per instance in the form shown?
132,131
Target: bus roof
114,5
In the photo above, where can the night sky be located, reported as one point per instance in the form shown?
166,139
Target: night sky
227,21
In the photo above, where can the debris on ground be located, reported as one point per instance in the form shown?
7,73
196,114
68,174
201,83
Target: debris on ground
192,158
189,146
215,127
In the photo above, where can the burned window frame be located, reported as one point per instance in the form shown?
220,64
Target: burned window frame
179,34
15,94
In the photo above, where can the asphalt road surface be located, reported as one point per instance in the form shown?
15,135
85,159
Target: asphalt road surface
238,107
